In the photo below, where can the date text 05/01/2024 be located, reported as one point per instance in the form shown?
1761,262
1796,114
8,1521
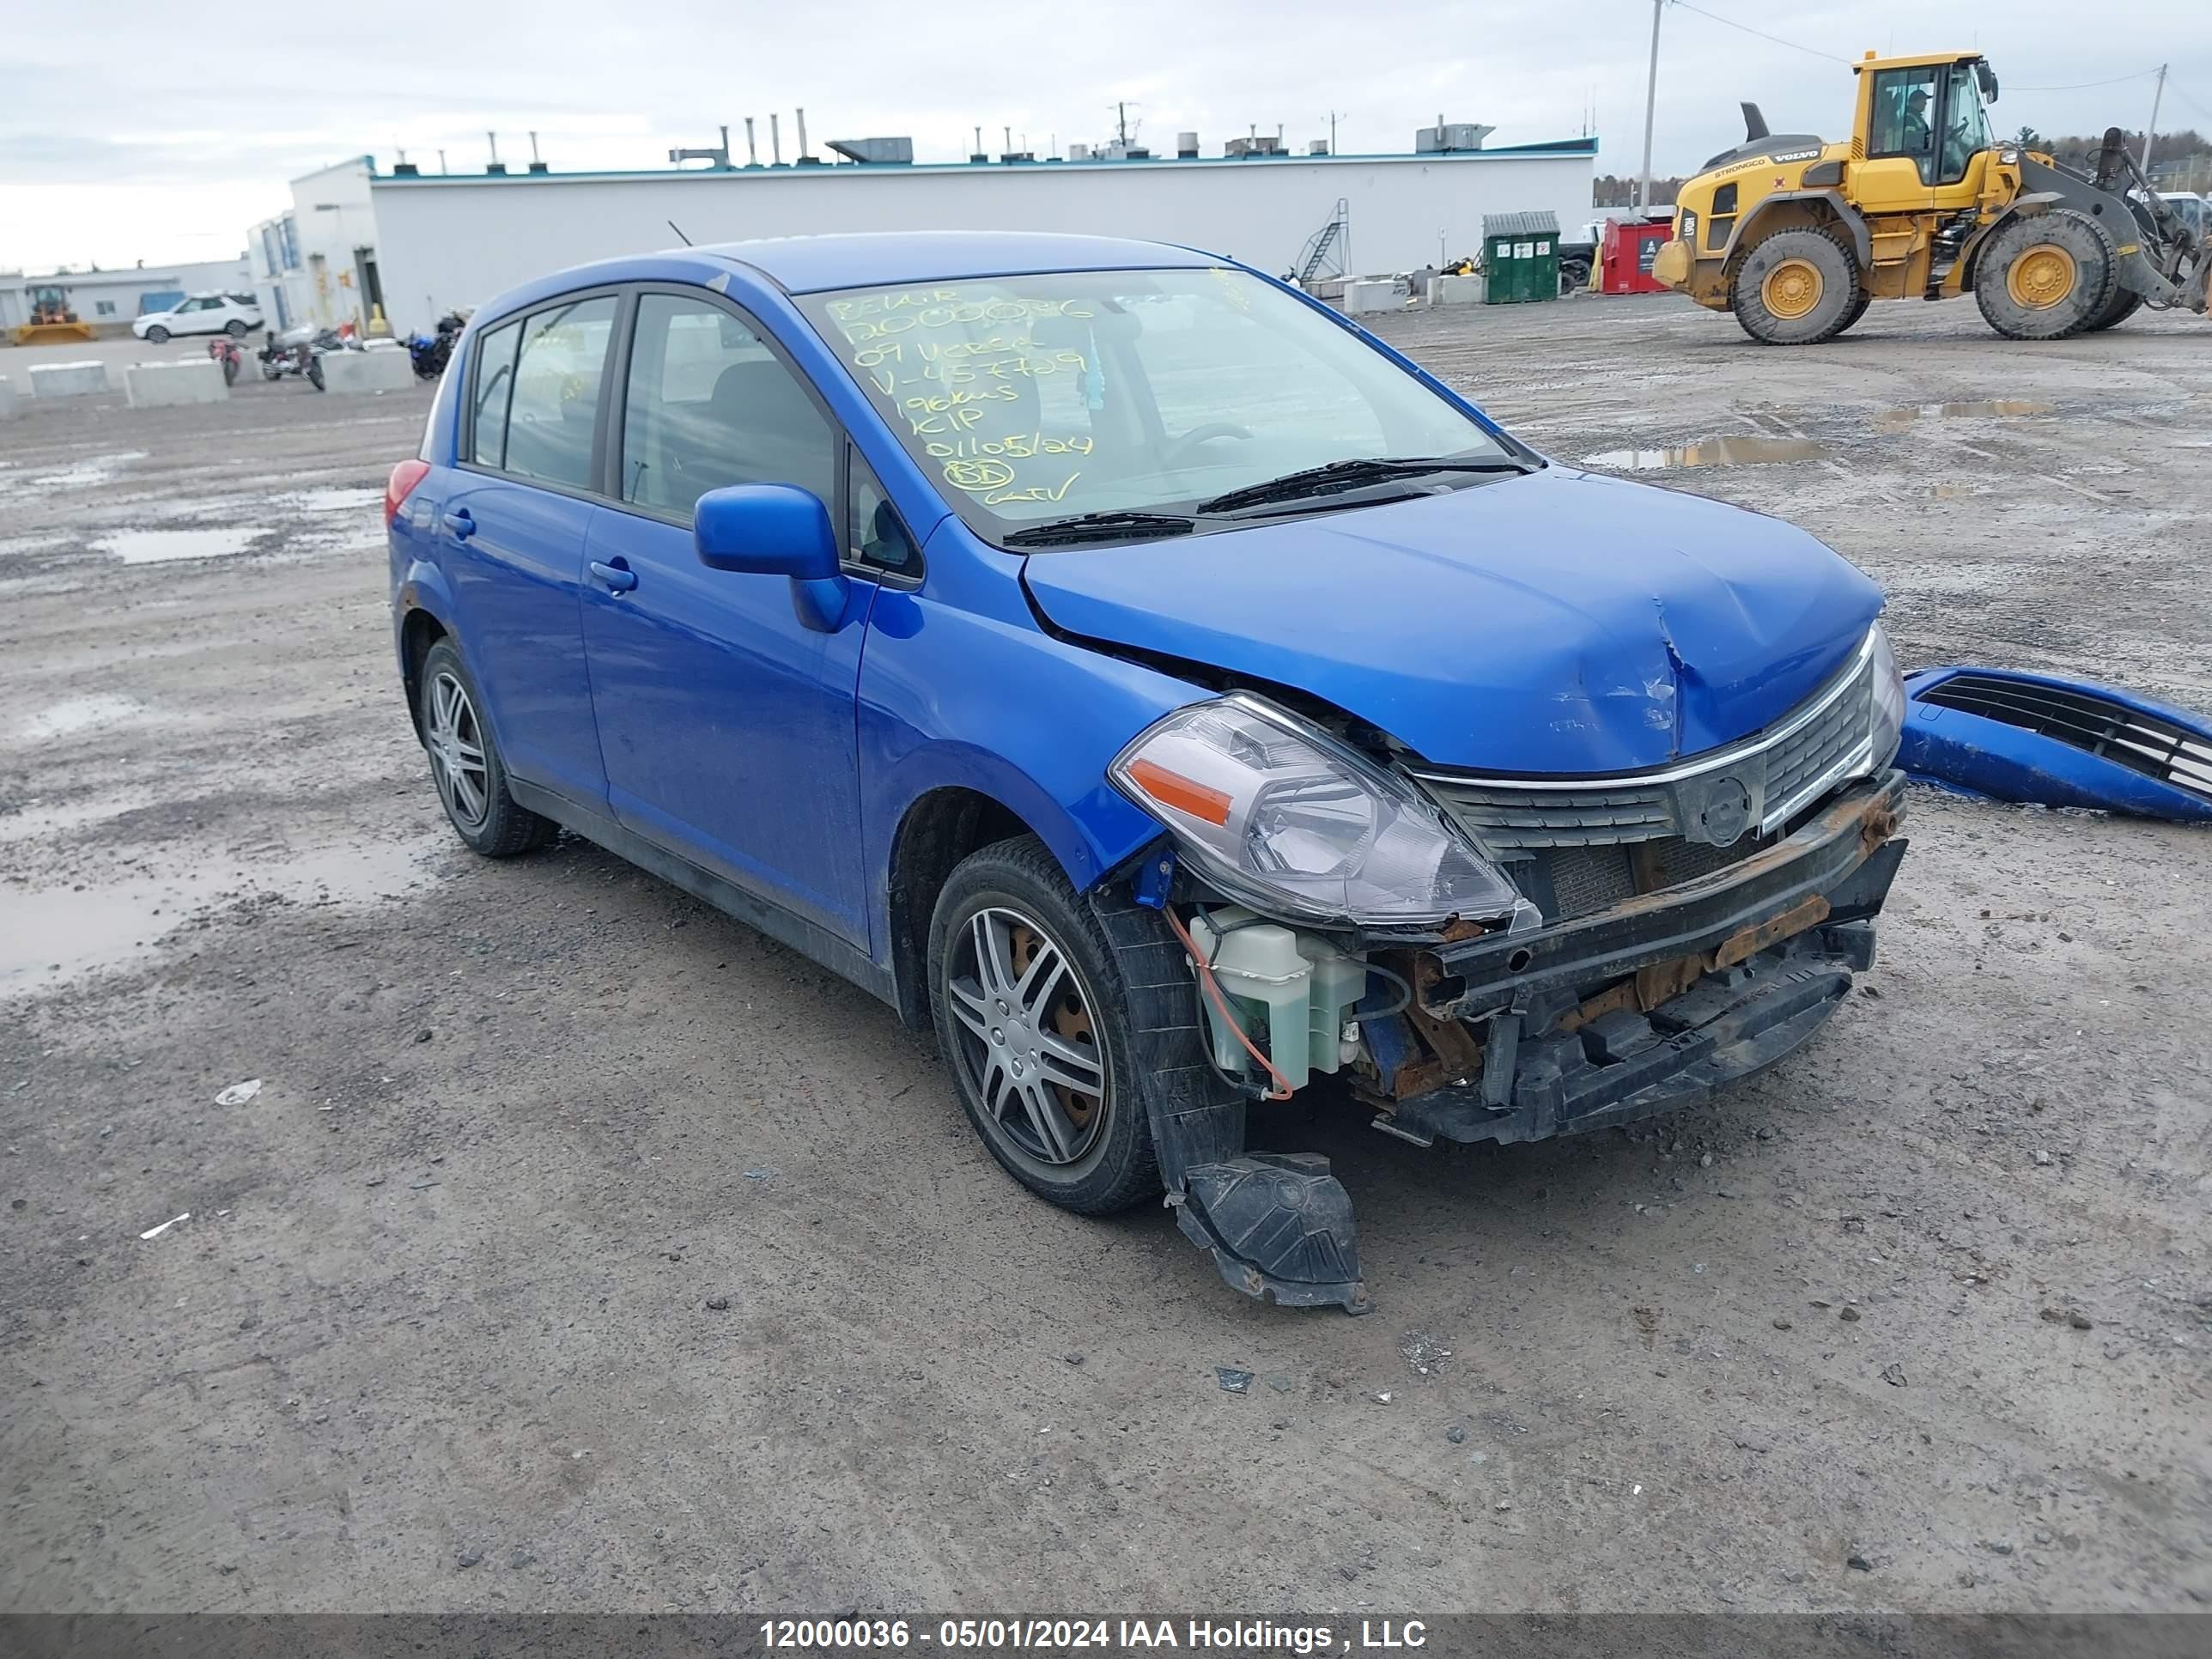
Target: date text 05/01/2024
1242,1635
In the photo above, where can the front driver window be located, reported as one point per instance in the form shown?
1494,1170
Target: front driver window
708,406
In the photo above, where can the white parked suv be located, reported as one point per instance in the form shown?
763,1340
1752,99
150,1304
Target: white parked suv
203,314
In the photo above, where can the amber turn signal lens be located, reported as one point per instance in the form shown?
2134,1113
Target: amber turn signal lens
1173,789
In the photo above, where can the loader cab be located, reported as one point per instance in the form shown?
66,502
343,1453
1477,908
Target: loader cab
1922,137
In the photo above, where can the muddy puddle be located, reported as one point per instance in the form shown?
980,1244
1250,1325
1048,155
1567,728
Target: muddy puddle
1993,408
52,934
168,546
1712,451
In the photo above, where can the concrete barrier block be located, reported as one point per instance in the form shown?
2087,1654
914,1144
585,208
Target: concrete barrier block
370,371
69,380
181,380
1366,296
7,409
1457,291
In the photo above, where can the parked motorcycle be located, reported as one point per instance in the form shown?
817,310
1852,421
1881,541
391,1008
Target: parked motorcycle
431,353
224,349
300,351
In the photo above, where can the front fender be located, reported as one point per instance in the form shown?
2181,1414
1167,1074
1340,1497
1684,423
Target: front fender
954,697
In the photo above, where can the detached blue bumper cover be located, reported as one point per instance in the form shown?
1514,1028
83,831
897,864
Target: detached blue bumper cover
2037,738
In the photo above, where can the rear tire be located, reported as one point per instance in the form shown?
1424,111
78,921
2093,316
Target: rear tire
315,373
2046,276
466,763
1858,310
1797,288
1086,1150
2122,306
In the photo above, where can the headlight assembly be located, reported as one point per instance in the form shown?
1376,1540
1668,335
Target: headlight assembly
1889,700
1279,815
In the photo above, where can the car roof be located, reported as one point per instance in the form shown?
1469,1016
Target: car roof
808,264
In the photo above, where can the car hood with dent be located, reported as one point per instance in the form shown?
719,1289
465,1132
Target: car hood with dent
1559,622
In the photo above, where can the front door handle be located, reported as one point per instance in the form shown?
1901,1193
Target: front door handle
461,524
617,576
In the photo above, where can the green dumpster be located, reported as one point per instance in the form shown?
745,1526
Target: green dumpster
1520,258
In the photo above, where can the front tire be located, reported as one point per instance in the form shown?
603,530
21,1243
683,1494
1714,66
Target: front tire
1033,1015
465,764
236,329
2046,276
2122,306
1796,288
157,336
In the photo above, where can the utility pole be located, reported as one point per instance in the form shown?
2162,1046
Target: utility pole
2156,98
1650,100
1334,116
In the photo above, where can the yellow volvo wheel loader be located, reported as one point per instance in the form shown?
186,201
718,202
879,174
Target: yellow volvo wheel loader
1796,236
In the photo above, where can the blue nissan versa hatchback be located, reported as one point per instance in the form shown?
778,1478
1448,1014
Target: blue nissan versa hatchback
1118,661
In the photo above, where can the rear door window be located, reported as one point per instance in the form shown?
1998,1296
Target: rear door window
708,404
553,416
494,381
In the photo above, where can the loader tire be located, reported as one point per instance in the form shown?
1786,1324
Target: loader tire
2118,309
1797,288
2046,276
1858,310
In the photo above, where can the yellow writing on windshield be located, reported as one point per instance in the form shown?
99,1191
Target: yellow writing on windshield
961,368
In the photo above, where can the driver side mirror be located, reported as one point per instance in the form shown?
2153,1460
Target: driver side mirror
777,530
767,530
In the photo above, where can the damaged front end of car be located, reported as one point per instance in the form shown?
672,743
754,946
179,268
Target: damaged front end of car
1486,959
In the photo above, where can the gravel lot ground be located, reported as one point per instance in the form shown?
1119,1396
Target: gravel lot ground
582,1250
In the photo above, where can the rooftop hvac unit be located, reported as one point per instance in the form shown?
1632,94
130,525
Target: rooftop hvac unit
1444,137
1317,146
1247,147
406,170
1078,152
1187,146
877,152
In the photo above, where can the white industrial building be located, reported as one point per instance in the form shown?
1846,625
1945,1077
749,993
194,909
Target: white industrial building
317,263
108,300
420,244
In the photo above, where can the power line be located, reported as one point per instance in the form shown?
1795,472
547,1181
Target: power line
1729,22
2079,85
2186,98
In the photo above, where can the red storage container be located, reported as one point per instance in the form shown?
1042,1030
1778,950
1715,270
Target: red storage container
1625,259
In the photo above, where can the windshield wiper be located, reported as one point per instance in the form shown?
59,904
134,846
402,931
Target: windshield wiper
1350,475
1107,526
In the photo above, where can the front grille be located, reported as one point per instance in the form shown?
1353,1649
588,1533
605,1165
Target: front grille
1504,816
2141,743
1805,764
1825,739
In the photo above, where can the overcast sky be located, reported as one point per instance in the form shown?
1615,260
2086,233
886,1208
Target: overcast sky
125,135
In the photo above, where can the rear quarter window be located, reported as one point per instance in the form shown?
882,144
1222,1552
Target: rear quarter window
490,390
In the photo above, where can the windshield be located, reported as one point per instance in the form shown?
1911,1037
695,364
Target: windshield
1037,398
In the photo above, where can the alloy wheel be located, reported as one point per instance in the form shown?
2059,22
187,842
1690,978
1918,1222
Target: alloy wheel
1027,1043
455,742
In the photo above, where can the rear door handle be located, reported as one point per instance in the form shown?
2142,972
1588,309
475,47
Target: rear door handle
618,576
461,524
